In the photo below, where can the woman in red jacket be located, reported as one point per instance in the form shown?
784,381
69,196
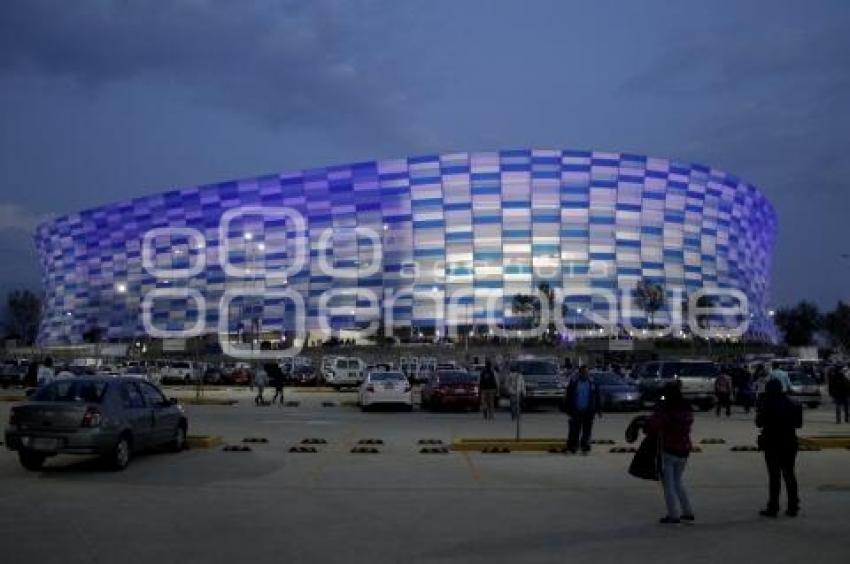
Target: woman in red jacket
672,422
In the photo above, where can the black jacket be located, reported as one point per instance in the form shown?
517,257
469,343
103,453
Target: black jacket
488,379
779,418
595,404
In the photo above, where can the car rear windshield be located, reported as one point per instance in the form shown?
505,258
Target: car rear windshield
535,367
386,376
74,391
456,377
802,379
690,370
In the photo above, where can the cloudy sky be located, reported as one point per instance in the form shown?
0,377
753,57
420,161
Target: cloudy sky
101,100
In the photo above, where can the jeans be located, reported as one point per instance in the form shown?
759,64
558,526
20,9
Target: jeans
259,400
488,403
581,424
675,496
780,465
842,404
278,393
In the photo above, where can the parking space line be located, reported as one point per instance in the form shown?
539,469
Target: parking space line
473,469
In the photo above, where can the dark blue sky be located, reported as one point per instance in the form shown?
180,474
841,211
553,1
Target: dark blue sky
101,100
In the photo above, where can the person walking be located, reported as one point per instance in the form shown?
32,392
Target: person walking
260,382
839,390
723,393
488,387
45,374
276,379
778,418
672,423
582,404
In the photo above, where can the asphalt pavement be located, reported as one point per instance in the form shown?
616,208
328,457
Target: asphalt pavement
268,504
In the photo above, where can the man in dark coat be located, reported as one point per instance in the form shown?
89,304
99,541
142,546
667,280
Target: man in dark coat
582,404
779,418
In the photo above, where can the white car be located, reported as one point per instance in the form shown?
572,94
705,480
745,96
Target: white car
386,388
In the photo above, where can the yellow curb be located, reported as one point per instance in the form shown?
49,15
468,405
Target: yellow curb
826,441
525,445
203,441
13,398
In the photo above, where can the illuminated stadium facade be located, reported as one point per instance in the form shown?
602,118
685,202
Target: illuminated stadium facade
438,239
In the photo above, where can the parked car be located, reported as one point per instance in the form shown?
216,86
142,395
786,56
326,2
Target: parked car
302,375
804,389
11,373
451,388
237,373
111,416
618,394
345,372
696,377
386,388
543,382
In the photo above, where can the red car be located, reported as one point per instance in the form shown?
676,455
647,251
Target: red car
451,388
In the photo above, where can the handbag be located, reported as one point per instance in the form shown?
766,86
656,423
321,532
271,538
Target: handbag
646,463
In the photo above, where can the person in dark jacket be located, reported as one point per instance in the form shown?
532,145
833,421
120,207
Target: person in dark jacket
583,403
839,391
488,386
779,418
672,423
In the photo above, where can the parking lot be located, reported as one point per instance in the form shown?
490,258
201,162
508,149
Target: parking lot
400,504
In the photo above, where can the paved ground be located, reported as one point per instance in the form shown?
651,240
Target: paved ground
399,505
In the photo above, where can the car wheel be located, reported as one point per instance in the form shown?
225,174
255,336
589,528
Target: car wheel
32,461
119,458
814,405
178,443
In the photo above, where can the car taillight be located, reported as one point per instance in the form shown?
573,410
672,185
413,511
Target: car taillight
91,418
370,388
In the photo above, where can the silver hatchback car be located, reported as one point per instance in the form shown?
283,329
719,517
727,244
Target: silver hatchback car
111,416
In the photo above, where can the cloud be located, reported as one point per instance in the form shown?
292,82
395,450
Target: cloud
287,63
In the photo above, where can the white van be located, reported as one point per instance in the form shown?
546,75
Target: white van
345,372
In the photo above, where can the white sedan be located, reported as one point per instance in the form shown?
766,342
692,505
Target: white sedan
386,388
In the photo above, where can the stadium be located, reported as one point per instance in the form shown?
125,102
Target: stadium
431,242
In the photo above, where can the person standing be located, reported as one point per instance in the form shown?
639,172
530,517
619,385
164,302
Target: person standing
744,389
778,418
45,374
488,387
260,382
582,404
723,393
839,390
672,422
